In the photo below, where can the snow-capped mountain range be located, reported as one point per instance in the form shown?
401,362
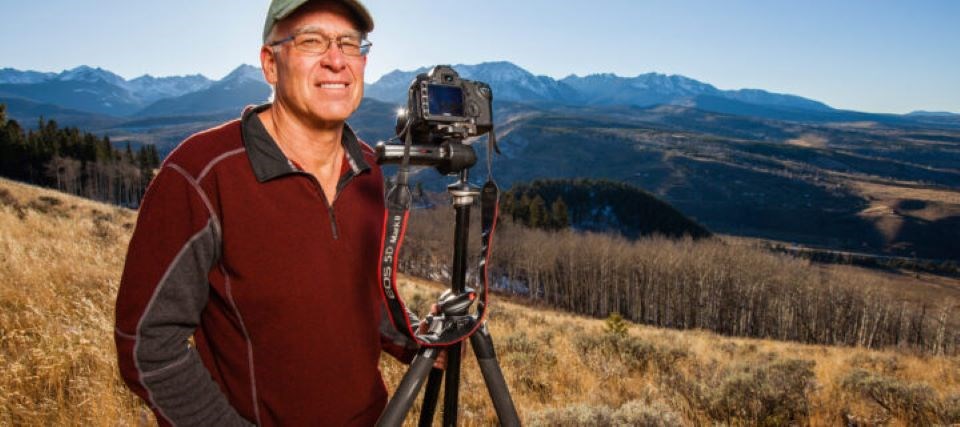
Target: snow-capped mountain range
89,90
96,90
146,86
512,83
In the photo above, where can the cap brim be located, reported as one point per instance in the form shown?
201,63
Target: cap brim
362,16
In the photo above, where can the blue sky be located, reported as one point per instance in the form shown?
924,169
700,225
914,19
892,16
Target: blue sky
877,56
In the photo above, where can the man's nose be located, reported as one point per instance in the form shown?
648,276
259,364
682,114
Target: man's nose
333,58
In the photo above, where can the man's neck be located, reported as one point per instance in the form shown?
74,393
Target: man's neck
314,147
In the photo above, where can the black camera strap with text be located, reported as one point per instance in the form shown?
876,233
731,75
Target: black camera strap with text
398,201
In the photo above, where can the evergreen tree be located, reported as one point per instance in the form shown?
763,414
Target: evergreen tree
521,211
74,161
128,154
559,216
539,217
615,325
507,202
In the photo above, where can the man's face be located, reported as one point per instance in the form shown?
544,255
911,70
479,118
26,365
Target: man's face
323,89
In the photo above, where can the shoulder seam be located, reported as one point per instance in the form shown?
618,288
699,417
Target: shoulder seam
203,195
218,159
202,134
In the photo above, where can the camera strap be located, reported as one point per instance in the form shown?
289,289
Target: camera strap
397,214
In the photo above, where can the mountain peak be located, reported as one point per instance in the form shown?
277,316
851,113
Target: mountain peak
243,73
86,73
493,71
15,76
597,77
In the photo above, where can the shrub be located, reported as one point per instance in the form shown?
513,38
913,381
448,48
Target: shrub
632,352
885,363
645,414
573,415
529,361
633,413
6,198
615,325
951,410
519,343
913,402
771,393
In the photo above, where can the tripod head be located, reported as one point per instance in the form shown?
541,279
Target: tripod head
448,157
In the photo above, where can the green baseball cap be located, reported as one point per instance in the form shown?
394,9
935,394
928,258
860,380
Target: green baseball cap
280,9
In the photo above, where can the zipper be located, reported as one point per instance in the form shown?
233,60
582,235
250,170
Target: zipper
330,204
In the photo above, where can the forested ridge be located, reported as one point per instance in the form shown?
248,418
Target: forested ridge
595,205
75,162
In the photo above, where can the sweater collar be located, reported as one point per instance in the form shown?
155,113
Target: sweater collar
269,162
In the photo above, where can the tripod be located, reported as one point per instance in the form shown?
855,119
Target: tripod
453,305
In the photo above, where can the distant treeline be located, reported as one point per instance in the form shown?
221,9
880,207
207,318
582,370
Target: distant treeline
75,162
595,205
939,267
687,284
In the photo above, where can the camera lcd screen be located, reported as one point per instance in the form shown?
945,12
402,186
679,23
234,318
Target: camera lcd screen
445,100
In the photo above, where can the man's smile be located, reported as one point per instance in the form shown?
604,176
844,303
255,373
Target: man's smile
334,85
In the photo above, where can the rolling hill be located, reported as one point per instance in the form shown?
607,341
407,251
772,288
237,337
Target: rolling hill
63,255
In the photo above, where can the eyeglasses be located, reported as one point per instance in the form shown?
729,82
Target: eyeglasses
317,43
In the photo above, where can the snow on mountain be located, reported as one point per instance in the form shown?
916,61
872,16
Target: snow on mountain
88,74
14,76
244,86
644,89
151,88
243,73
509,83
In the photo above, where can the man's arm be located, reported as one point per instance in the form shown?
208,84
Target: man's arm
394,342
163,290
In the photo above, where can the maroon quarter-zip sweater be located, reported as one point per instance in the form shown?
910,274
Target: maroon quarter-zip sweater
237,247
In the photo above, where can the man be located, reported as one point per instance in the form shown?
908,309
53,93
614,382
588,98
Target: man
259,238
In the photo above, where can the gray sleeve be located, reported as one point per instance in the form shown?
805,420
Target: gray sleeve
176,381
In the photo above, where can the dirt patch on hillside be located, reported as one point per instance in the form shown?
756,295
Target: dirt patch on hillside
809,140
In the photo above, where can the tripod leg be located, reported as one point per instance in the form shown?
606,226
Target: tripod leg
451,390
399,404
482,345
430,397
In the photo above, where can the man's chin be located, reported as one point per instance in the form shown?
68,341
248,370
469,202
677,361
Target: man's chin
329,120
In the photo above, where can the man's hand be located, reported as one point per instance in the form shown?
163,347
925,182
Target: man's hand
441,362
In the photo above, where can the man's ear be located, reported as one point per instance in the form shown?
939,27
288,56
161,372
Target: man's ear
268,62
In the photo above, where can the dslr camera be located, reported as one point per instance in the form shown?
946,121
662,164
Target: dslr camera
442,110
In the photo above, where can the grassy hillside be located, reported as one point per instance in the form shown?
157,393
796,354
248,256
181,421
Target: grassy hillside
60,262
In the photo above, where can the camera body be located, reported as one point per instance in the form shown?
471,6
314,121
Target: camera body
441,105
442,110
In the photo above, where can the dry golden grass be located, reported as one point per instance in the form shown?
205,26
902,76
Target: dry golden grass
61,257
547,371
60,263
